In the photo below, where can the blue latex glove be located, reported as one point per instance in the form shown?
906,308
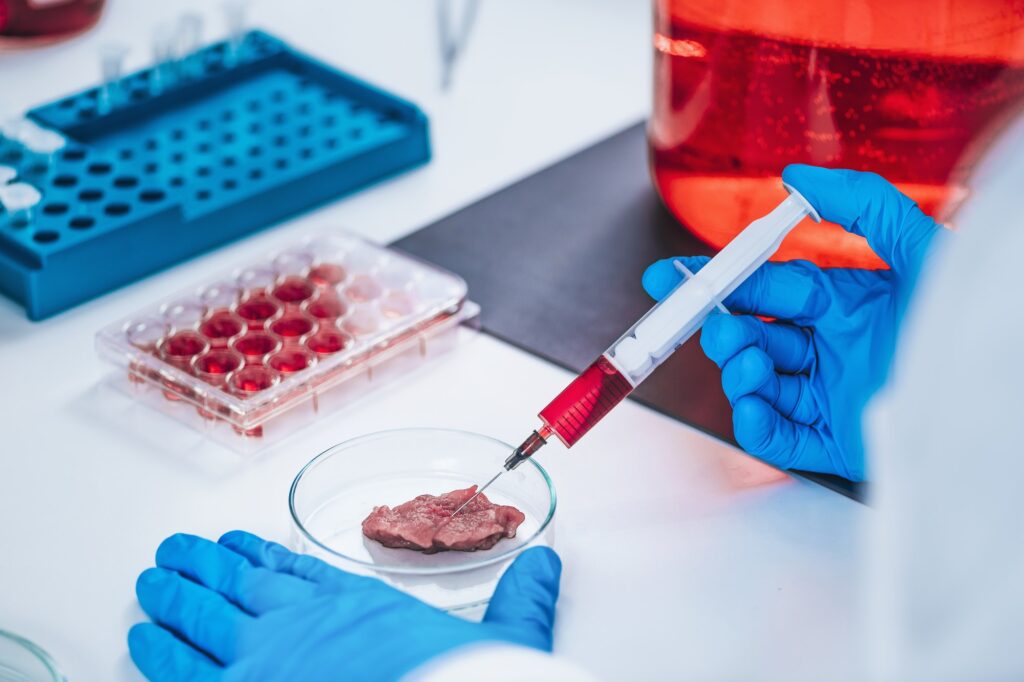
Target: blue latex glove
799,385
247,609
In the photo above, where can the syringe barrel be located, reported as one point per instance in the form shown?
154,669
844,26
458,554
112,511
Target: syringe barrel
671,322
585,401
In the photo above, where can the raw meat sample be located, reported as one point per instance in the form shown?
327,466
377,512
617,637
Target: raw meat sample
426,523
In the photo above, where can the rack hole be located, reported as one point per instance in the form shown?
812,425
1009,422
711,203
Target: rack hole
90,195
152,144
254,105
255,174
278,96
117,209
280,141
126,182
13,156
281,164
203,195
139,94
152,195
55,209
204,124
101,168
306,153
203,148
279,118
255,151
151,168
230,184
19,223
203,171
74,155
65,181
178,134
331,142
177,157
177,181
356,134
87,112
81,222
255,128
126,154
67,104
227,115
228,137
303,108
304,131
46,237
228,161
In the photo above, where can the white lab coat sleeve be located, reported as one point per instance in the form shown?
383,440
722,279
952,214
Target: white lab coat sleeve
945,597
498,663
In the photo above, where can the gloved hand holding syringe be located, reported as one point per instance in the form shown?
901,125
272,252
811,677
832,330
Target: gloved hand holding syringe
665,327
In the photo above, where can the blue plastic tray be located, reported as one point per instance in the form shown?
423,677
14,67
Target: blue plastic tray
238,141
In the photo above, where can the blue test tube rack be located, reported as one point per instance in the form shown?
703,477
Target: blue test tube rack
178,159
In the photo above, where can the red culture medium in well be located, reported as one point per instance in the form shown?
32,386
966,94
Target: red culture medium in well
257,310
221,327
293,290
328,341
291,360
213,367
253,379
293,326
254,346
585,401
179,348
327,307
327,274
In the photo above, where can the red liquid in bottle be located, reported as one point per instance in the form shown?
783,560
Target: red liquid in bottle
34,19
907,90
586,401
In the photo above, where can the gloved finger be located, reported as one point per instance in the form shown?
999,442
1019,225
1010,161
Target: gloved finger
162,657
524,600
788,291
751,372
789,347
868,205
766,434
205,619
254,588
278,558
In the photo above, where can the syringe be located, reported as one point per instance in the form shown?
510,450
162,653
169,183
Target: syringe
656,335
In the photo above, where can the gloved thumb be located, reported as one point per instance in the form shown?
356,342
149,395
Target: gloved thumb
524,600
868,205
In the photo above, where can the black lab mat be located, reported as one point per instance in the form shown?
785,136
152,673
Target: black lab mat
555,261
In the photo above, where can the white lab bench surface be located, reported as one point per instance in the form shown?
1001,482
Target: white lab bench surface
676,567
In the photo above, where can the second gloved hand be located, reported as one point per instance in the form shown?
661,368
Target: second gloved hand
247,609
799,385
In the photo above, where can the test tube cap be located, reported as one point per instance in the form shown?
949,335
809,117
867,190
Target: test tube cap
7,174
19,196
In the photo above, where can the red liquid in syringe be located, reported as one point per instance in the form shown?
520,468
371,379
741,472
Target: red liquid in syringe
586,401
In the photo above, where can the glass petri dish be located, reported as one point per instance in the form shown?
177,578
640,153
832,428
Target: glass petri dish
332,495
23,661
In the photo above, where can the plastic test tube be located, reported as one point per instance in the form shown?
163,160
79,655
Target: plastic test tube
20,200
111,69
7,174
43,146
234,15
188,38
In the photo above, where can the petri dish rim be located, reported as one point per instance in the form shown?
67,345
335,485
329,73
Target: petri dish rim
37,652
340,447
